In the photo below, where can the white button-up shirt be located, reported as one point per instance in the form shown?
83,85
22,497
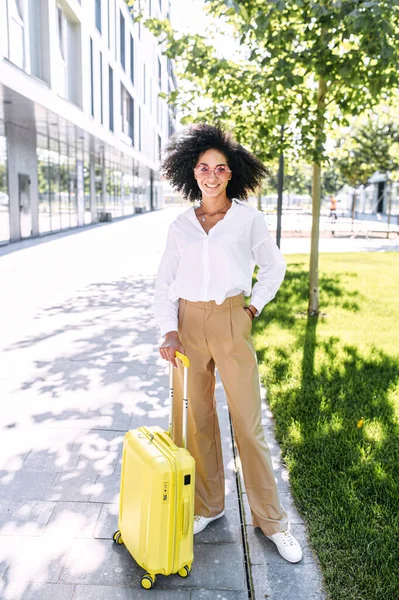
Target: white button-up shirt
214,266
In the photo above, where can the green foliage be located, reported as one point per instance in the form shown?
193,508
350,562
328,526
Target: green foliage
332,180
289,46
370,147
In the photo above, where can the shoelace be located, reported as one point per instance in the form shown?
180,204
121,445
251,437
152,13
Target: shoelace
197,518
286,538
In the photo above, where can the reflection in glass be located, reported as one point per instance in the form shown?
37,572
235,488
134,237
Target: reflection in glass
72,175
64,187
54,171
98,176
43,185
86,183
4,199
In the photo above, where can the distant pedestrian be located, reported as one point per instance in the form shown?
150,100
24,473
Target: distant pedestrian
333,208
204,273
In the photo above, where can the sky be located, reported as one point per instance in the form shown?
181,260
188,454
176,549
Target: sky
188,16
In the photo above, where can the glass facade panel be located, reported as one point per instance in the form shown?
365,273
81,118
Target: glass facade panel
64,187
72,185
111,97
122,41
131,59
92,77
98,15
54,172
4,198
128,192
101,89
86,183
99,176
43,184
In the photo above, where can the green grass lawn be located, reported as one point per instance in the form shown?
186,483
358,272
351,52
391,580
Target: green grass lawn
322,377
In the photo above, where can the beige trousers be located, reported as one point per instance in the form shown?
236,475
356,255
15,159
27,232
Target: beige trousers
220,335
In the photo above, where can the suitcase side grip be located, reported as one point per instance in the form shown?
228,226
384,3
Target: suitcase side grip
186,515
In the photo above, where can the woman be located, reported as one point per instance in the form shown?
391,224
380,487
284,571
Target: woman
199,306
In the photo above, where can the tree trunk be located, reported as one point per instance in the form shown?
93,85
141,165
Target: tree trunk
313,306
353,208
260,200
280,188
389,184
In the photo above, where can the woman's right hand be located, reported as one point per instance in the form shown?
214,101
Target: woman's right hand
170,344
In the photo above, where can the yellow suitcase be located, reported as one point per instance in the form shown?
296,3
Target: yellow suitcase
156,506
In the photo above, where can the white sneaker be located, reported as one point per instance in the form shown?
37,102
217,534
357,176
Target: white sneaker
287,546
201,522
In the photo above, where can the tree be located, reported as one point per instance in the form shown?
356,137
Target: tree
307,65
371,146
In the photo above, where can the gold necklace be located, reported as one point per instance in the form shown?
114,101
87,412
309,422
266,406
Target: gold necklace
203,215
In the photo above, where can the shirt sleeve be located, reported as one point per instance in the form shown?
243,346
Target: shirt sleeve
166,310
270,260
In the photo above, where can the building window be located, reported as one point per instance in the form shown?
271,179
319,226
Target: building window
111,97
109,23
101,89
150,8
127,112
98,15
159,147
4,197
61,32
160,4
139,129
159,73
132,59
122,41
144,85
92,76
16,41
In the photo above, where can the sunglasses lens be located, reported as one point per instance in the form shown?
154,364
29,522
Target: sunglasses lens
221,170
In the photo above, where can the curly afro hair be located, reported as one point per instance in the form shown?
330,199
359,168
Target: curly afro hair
184,149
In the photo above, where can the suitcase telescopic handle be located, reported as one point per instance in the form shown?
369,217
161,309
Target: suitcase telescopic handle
186,363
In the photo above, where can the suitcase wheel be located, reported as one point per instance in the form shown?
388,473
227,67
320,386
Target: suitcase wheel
117,537
148,581
184,571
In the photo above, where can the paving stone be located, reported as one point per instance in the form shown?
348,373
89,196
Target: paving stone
100,562
222,531
99,451
300,581
24,518
73,519
33,559
106,489
218,595
72,486
289,507
39,591
25,485
104,563
47,460
219,566
12,461
107,522
102,592
263,551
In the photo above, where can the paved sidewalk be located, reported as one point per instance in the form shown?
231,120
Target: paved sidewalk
79,367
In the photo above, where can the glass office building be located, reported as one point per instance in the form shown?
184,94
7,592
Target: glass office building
81,119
